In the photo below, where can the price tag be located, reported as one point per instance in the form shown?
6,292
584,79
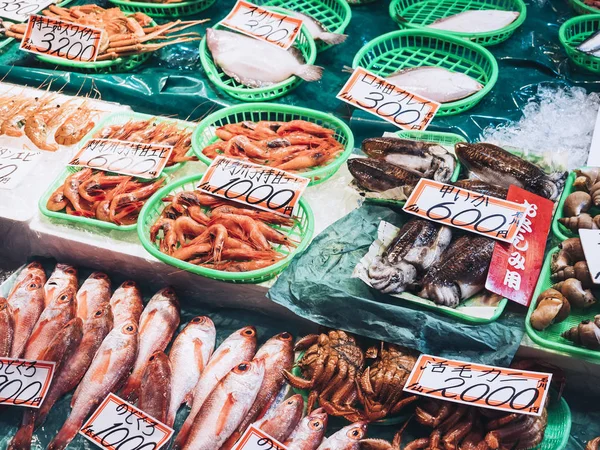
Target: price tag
515,267
378,96
54,37
128,158
15,165
468,210
117,424
23,382
20,10
260,23
491,387
590,240
255,439
261,187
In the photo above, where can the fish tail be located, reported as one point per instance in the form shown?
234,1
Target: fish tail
23,437
131,388
183,434
65,435
308,72
333,38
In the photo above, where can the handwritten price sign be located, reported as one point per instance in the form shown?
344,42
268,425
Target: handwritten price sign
53,37
24,383
128,158
468,210
15,165
20,10
378,96
259,186
260,23
255,439
117,424
478,385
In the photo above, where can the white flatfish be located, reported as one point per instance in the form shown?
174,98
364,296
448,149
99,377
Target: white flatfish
482,21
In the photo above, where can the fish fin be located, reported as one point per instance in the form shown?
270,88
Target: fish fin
102,367
309,72
224,414
333,38
147,321
198,354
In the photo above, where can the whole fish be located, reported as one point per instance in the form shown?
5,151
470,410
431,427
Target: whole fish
284,420
59,311
309,432
278,355
27,303
126,303
62,277
226,406
110,366
495,165
28,273
7,328
317,30
348,438
256,63
461,271
379,176
483,188
58,350
95,329
436,83
155,391
591,45
93,293
482,21
158,323
189,356
430,159
238,347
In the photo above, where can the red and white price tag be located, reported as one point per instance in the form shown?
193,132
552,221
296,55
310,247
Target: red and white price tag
20,10
15,164
471,211
60,39
260,23
479,385
128,158
261,187
590,241
24,382
376,95
515,267
255,439
117,424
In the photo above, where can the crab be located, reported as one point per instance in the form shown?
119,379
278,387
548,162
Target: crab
330,367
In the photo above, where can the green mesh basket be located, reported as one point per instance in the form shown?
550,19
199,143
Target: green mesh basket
576,30
417,14
180,9
304,43
205,132
302,231
558,428
581,8
334,15
415,48
551,336
5,42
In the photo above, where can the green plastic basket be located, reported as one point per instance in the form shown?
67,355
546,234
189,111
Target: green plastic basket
415,48
551,336
581,8
576,30
558,429
417,14
181,9
304,43
5,42
302,231
205,132
334,15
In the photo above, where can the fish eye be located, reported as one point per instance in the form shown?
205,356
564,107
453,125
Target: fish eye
129,329
32,286
70,271
129,284
98,313
355,433
199,319
169,291
63,297
249,332
243,367
316,424
285,336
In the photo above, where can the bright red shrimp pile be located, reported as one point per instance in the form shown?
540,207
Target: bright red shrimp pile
218,234
292,146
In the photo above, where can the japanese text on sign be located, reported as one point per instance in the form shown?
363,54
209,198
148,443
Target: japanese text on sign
15,165
259,186
260,23
468,210
491,387
20,10
255,439
378,96
590,240
60,39
128,158
117,424
24,383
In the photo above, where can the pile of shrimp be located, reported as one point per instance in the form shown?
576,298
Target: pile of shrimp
218,234
45,121
293,146
109,198
152,131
